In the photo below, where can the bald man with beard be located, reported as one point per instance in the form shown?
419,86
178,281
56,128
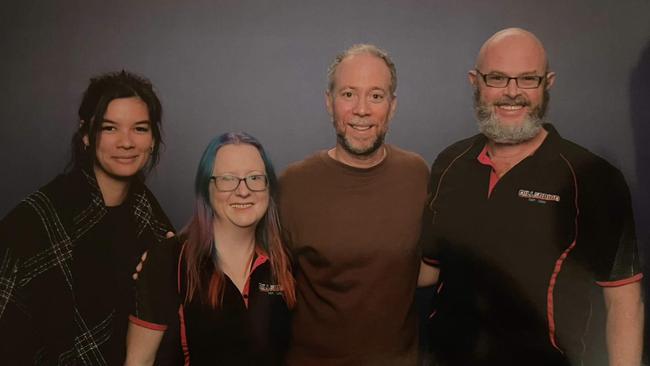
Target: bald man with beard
530,237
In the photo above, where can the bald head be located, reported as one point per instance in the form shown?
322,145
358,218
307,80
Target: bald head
517,45
511,83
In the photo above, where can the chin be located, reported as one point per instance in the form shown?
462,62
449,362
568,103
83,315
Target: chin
124,173
361,148
244,222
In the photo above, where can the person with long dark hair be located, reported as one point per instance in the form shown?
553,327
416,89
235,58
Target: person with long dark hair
67,250
233,276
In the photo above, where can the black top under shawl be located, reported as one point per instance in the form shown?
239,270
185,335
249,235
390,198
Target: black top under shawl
65,266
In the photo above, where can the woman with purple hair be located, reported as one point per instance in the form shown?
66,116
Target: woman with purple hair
227,277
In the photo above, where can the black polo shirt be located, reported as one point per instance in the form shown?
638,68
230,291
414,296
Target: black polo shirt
249,328
519,262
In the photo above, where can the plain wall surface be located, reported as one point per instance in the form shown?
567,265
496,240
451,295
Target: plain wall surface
260,67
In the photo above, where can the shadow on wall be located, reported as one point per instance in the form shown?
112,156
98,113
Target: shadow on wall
640,113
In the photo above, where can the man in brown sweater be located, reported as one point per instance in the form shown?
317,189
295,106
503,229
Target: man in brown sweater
352,218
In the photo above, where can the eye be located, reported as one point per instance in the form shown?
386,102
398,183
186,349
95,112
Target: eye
530,78
257,177
142,129
376,97
108,128
495,77
227,178
347,94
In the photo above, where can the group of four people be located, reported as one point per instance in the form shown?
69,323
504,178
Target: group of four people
516,227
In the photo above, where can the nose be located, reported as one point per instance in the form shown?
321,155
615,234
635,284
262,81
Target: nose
242,189
512,90
361,108
126,140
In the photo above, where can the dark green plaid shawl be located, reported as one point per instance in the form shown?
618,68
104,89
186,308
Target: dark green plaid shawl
65,266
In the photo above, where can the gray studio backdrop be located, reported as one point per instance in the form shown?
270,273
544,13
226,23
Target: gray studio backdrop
259,66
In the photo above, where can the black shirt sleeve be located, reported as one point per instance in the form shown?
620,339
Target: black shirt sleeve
430,248
157,298
606,237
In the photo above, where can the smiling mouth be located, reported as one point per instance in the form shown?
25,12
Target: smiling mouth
511,107
241,205
360,127
125,159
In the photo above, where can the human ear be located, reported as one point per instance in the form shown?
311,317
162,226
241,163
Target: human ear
550,80
472,77
329,103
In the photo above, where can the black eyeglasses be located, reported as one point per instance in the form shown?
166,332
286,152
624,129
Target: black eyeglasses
501,81
228,183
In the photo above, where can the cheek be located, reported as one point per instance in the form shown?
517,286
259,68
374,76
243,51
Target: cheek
341,110
145,142
489,97
217,200
102,143
102,152
384,111
265,199
535,98
264,202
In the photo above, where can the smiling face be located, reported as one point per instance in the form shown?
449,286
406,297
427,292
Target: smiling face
511,114
241,208
361,105
124,141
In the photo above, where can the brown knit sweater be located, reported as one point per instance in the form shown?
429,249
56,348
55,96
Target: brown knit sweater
353,234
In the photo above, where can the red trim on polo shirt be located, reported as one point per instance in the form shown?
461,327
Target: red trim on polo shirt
431,261
260,259
549,295
484,159
636,278
184,346
181,313
145,324
558,263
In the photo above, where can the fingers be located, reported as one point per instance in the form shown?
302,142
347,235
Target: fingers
143,258
138,268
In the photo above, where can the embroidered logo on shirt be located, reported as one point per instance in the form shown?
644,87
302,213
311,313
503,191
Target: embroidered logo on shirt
270,289
538,196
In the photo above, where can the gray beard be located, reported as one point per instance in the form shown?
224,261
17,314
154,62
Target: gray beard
379,141
490,125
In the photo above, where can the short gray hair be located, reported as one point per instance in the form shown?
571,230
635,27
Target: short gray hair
363,48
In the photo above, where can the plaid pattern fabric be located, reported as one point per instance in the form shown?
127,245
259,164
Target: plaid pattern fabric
44,318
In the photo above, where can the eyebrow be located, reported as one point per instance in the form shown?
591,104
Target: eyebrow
249,173
525,73
372,88
137,123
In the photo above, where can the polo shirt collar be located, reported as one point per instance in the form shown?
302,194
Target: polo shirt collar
260,258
